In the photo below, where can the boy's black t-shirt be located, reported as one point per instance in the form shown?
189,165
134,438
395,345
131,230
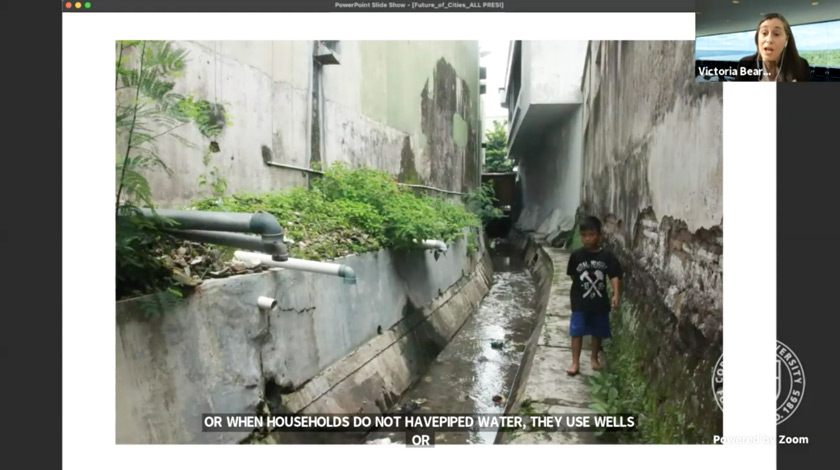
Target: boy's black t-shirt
590,272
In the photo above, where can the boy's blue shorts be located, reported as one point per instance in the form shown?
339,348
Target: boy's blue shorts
590,324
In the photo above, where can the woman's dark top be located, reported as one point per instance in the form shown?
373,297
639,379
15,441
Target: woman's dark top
801,72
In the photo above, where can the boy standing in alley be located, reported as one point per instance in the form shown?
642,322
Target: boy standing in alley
590,268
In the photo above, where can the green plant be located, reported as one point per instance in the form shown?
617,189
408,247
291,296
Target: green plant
624,387
495,150
575,242
139,246
822,58
481,201
148,109
352,211
210,118
346,211
215,180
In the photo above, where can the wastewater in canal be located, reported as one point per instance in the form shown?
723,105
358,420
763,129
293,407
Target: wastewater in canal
474,373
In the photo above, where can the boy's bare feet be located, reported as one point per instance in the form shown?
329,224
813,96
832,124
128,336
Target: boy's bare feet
572,371
595,364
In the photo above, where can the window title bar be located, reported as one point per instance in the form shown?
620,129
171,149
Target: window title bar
183,6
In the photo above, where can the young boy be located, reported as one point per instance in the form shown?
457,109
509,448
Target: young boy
590,267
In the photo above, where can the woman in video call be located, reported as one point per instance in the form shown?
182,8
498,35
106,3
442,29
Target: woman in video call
775,53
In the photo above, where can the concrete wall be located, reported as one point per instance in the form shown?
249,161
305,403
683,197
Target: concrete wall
550,72
653,138
554,70
215,351
407,107
550,180
547,139
372,378
652,152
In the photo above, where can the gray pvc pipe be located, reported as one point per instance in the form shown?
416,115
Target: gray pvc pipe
247,242
260,223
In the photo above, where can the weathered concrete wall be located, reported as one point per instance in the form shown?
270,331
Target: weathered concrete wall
546,139
420,104
407,107
263,86
372,377
653,172
215,351
554,70
550,180
653,138
551,72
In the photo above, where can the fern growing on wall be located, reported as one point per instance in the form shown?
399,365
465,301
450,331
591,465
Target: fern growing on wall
147,109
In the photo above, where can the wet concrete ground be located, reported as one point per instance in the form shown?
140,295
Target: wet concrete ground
474,373
547,389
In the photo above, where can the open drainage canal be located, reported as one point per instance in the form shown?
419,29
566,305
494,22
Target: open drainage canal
475,372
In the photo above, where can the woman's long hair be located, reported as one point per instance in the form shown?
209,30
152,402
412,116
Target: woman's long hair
790,61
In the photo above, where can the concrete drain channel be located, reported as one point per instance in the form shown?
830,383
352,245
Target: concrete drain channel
475,372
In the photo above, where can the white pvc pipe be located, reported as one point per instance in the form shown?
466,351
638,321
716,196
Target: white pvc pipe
266,303
319,267
434,245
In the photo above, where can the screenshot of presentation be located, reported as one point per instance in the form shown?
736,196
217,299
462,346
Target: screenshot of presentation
417,234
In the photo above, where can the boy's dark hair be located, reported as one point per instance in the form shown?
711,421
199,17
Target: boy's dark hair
590,222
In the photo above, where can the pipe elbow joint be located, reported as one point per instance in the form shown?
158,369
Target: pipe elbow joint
271,232
277,250
266,225
347,273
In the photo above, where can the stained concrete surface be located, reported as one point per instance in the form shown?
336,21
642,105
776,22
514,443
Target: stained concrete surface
383,96
474,374
215,351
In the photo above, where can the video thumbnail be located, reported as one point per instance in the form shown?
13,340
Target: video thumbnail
417,243
778,41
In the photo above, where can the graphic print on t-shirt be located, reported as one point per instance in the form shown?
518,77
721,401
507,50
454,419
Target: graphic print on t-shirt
591,274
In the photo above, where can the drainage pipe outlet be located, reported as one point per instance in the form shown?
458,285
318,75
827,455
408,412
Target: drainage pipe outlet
266,303
434,245
341,270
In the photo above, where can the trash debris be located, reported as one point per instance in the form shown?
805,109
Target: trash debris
497,344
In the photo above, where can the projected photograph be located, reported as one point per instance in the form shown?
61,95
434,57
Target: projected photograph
768,41
416,243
